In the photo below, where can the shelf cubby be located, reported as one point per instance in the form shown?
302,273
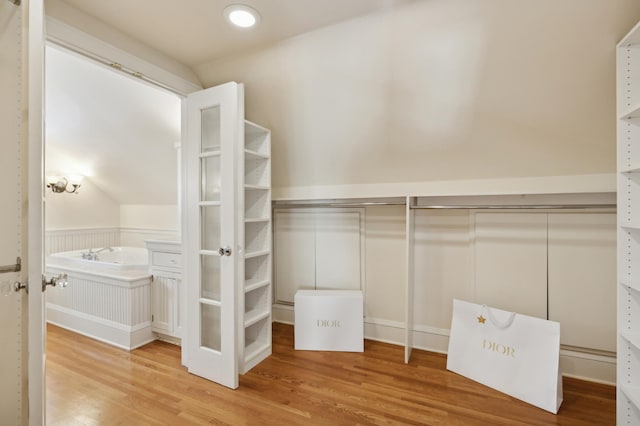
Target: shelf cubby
257,337
257,172
257,203
256,270
256,236
256,138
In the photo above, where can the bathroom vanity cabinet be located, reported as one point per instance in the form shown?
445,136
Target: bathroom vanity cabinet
227,207
165,265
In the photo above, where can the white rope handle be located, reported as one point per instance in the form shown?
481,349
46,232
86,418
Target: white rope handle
501,325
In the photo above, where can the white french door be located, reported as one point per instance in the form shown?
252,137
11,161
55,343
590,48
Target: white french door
212,137
35,218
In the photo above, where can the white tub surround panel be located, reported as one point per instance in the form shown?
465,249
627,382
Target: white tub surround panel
110,306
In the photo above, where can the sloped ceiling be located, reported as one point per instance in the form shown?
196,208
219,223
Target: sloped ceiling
120,132
117,131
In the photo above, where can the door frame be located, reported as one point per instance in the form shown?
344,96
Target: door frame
98,50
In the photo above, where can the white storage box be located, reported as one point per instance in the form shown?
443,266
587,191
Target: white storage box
329,320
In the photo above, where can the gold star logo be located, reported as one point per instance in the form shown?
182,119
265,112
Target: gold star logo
481,319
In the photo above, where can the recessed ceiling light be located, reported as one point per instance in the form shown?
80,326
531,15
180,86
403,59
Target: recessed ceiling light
241,16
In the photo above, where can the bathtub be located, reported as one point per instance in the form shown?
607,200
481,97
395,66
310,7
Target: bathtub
108,299
118,259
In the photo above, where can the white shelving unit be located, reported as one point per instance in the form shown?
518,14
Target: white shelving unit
628,107
227,237
255,231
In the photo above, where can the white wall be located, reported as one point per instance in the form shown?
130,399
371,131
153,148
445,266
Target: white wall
440,89
148,222
89,208
161,216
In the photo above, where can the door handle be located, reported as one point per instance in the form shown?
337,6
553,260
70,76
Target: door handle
59,281
224,251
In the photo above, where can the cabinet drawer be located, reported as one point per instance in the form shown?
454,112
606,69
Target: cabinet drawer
167,260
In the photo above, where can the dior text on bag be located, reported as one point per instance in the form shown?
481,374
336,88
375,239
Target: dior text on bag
513,353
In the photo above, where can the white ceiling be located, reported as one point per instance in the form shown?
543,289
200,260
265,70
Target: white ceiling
194,32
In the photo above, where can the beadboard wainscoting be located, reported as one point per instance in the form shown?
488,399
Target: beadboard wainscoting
77,239
82,238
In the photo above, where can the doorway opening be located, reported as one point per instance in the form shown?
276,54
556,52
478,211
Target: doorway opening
112,160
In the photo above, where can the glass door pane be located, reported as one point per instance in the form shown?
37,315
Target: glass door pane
210,176
210,271
210,129
210,333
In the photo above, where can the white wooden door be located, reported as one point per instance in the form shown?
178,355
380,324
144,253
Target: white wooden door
35,106
214,132
13,367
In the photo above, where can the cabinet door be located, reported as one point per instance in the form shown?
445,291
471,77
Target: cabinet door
214,132
582,285
511,262
163,295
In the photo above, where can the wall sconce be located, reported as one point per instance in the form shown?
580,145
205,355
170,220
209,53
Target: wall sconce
60,184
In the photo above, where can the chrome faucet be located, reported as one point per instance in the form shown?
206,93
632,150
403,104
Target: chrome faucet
93,255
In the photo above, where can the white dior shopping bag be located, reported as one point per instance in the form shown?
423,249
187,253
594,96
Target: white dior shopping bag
513,353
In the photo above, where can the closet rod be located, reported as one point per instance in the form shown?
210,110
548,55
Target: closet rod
357,204
515,207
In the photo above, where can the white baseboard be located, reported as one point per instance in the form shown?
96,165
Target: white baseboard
115,334
581,365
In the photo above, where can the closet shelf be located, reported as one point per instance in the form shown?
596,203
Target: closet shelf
631,226
632,112
252,254
633,285
253,349
209,152
253,284
256,219
255,315
633,169
632,393
250,154
256,187
632,338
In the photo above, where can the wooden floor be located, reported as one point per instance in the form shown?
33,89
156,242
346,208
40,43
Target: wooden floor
90,383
